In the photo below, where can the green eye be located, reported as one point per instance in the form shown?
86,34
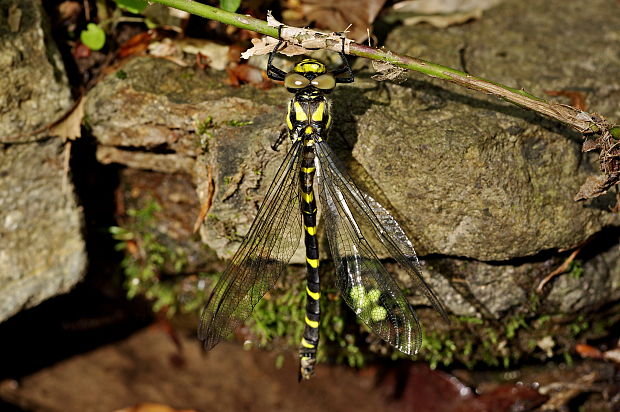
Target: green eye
324,82
295,81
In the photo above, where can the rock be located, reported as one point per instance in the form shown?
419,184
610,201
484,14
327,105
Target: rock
42,252
32,76
471,176
484,188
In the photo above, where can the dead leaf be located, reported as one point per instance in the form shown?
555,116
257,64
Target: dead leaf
206,205
267,44
152,407
577,99
595,186
246,73
612,355
441,22
587,351
173,49
388,71
336,16
430,7
441,13
137,44
70,127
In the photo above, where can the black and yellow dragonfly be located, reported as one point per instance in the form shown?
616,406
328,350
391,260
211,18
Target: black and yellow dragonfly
351,219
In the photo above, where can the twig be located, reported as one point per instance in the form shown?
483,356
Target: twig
561,269
206,206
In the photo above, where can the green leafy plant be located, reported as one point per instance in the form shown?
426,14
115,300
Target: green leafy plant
132,6
93,37
149,265
230,5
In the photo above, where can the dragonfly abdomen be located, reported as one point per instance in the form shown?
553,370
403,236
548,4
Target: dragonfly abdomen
310,339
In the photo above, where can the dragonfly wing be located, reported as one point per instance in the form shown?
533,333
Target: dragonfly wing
367,287
261,258
380,221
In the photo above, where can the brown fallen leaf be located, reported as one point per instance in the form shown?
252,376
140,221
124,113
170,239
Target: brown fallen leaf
336,16
69,128
206,205
596,185
440,13
246,73
577,99
266,45
587,351
137,44
152,407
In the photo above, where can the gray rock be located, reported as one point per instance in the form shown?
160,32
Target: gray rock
471,176
42,252
32,76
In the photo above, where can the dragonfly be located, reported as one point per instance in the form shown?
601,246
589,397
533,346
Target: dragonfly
353,221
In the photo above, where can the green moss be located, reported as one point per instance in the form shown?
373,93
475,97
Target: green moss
575,270
149,265
578,326
204,125
470,319
239,123
513,324
277,321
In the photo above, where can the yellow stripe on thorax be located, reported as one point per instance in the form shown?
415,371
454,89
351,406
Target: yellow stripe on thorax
308,169
306,344
288,117
300,114
317,116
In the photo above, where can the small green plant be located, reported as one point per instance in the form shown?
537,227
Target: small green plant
149,265
575,270
239,123
94,37
278,320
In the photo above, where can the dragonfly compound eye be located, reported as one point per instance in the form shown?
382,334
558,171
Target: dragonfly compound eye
324,82
295,81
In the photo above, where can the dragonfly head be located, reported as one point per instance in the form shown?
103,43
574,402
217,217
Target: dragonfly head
309,75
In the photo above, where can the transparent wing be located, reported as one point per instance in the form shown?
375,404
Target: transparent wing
366,285
261,258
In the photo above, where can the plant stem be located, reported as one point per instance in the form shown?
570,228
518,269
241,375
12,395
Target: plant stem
578,119
226,17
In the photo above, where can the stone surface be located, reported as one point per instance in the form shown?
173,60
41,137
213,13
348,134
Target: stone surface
41,247
32,77
484,188
472,176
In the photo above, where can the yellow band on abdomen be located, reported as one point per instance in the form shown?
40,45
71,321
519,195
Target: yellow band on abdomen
312,323
313,262
313,295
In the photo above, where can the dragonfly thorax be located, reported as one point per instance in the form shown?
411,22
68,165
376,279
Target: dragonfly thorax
308,119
